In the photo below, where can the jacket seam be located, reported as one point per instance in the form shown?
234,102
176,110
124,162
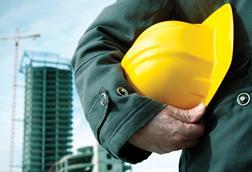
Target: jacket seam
93,106
86,61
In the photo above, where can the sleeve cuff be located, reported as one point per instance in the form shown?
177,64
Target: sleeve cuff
128,150
139,117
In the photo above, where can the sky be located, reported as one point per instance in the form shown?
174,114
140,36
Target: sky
61,24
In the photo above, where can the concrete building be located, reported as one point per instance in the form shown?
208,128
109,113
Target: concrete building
91,159
104,162
48,110
80,162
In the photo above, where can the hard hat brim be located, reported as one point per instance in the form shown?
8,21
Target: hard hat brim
222,23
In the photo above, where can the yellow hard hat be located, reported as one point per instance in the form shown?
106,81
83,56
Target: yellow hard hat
182,64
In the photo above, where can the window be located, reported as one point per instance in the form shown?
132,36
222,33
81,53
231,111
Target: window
109,167
109,156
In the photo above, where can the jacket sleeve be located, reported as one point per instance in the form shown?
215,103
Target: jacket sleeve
114,118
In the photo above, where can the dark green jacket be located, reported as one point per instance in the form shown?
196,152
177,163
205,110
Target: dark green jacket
115,116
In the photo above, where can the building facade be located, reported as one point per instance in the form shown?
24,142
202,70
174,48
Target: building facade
91,159
48,111
80,162
104,162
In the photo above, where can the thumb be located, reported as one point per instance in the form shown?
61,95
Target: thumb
188,116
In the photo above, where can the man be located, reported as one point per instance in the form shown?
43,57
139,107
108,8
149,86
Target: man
131,126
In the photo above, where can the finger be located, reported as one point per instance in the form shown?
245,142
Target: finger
189,116
192,131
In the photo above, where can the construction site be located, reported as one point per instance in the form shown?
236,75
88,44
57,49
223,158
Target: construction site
48,131
47,119
48,110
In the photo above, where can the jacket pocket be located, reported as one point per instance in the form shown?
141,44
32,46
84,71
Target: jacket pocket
98,112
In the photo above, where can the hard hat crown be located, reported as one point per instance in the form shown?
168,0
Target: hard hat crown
179,63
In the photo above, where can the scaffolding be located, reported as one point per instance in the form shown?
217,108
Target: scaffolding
48,110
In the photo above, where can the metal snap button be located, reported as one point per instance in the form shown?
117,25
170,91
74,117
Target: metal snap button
104,99
122,91
243,99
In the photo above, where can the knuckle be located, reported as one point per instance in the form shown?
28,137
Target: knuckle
185,115
179,112
189,116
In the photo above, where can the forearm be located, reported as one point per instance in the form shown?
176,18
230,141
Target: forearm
96,63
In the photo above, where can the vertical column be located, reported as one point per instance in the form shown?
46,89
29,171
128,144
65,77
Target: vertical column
44,120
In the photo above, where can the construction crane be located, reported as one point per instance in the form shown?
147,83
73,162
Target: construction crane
16,38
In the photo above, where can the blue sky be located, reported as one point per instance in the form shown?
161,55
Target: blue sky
61,24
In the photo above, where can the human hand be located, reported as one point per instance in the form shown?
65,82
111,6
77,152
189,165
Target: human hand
172,129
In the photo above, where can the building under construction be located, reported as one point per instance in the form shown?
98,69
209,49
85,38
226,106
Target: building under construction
91,159
48,110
